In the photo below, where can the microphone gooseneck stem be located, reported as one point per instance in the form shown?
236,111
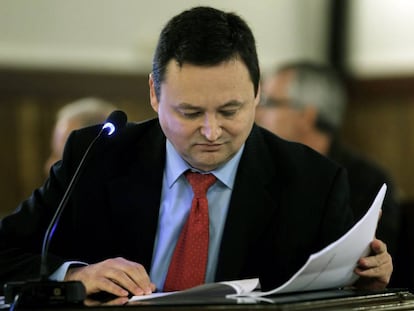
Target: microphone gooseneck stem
44,271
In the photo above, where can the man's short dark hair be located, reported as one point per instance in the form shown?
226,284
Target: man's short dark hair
205,36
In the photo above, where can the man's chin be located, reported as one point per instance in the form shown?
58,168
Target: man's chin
207,165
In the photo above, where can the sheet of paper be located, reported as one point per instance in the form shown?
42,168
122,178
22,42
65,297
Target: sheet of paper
150,296
239,287
243,286
333,266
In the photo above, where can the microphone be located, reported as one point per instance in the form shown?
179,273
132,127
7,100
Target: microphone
116,120
46,292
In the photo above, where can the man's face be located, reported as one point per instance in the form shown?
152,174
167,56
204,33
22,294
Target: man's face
206,112
277,113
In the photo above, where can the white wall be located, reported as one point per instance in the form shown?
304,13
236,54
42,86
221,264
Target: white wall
381,38
120,35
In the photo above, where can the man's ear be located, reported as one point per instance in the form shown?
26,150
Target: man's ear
310,115
153,94
257,99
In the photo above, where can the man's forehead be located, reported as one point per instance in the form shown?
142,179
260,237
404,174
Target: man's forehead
189,72
279,83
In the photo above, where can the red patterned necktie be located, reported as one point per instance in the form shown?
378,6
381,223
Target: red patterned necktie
189,261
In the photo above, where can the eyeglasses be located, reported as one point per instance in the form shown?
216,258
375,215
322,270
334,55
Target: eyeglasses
278,103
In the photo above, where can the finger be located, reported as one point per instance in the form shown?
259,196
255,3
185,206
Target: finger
381,272
378,256
140,278
378,246
382,258
123,280
370,276
371,272
130,275
111,286
374,261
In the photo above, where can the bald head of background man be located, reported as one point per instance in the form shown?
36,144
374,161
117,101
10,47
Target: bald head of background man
74,115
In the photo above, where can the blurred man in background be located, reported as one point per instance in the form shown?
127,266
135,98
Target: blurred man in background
74,115
305,102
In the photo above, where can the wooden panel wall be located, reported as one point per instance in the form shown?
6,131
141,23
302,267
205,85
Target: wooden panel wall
380,125
28,105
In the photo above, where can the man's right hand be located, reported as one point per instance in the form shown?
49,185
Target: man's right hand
116,276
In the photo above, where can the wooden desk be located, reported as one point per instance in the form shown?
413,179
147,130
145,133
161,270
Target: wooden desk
323,300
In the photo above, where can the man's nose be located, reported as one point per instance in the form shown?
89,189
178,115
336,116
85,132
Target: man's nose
211,129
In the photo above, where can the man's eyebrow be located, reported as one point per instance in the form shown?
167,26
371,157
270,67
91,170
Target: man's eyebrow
187,106
232,103
229,104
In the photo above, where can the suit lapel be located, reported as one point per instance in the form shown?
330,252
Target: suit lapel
135,197
251,203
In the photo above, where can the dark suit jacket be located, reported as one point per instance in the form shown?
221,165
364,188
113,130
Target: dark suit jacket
287,202
365,180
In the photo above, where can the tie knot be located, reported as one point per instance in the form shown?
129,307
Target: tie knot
200,182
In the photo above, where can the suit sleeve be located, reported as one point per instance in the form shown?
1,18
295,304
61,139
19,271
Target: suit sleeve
22,232
305,227
338,217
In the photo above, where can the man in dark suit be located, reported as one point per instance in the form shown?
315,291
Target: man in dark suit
273,202
305,102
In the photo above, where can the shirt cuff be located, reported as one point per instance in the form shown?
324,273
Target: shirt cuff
60,273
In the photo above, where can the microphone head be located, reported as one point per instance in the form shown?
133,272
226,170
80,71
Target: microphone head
115,121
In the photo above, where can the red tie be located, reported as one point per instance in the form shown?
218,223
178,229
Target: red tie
189,261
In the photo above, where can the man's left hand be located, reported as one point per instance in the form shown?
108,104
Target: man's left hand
374,270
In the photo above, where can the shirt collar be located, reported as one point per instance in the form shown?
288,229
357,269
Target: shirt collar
176,166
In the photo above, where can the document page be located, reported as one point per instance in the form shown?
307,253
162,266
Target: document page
333,266
239,287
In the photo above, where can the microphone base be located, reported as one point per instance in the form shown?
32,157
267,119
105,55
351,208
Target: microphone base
44,293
